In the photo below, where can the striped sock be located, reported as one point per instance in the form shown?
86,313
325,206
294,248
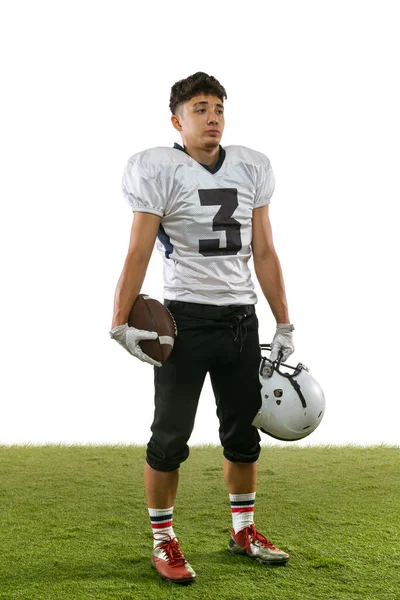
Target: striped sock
161,524
242,506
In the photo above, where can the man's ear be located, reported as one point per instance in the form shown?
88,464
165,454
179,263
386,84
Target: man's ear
176,122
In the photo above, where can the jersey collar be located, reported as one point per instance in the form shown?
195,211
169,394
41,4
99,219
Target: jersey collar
217,166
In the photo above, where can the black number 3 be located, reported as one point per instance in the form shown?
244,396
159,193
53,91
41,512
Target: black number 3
223,221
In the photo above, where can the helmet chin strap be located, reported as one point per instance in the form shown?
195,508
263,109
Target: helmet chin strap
297,387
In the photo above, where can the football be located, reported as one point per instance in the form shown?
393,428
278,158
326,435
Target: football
149,314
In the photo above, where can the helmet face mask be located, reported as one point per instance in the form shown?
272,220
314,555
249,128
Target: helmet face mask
293,402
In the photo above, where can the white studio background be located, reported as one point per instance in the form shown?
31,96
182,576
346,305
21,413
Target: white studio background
314,85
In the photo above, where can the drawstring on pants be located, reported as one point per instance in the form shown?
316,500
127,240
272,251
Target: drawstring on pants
239,329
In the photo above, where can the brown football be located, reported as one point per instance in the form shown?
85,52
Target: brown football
149,314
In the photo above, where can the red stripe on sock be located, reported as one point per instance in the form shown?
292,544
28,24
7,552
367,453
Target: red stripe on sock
161,525
242,510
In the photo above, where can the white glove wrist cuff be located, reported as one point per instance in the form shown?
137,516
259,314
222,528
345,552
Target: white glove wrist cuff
285,327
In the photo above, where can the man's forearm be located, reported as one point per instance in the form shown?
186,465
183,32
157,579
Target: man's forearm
269,275
128,288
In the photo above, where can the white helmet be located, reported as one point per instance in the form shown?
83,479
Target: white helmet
293,404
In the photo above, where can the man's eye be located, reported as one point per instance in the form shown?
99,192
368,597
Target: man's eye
201,110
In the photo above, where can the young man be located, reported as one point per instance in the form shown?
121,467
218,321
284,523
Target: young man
208,208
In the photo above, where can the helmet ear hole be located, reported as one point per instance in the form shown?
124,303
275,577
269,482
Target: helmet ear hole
278,393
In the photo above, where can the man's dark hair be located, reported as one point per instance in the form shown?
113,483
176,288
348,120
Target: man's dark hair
194,85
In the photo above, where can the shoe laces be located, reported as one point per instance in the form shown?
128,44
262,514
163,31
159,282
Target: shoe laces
173,552
255,536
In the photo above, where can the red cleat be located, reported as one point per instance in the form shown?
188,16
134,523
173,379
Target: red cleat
170,563
249,541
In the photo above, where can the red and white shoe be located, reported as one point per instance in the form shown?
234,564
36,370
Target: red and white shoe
170,563
249,541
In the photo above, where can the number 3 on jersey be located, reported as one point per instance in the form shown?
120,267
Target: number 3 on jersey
227,199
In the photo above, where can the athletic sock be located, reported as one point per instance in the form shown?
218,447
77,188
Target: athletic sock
242,506
161,524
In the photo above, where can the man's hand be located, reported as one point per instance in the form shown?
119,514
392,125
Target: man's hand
282,342
129,338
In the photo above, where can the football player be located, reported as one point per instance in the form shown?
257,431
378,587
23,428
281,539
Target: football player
206,207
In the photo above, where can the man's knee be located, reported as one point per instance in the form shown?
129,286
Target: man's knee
244,447
244,457
166,457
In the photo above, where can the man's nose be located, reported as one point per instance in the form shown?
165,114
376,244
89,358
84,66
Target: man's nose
213,118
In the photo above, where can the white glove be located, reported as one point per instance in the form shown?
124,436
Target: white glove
282,342
129,338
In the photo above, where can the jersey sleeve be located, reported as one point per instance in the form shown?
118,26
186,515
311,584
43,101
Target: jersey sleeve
142,190
265,184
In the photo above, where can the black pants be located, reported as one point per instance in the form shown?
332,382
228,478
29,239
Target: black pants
224,342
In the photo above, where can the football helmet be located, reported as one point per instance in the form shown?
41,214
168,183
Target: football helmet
293,403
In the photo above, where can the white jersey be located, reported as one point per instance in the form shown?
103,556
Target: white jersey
206,218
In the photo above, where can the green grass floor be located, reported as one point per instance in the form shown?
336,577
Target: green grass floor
74,525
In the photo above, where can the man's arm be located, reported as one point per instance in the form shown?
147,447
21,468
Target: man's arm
267,266
143,235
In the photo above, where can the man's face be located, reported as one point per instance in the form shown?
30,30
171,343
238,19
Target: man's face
200,121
